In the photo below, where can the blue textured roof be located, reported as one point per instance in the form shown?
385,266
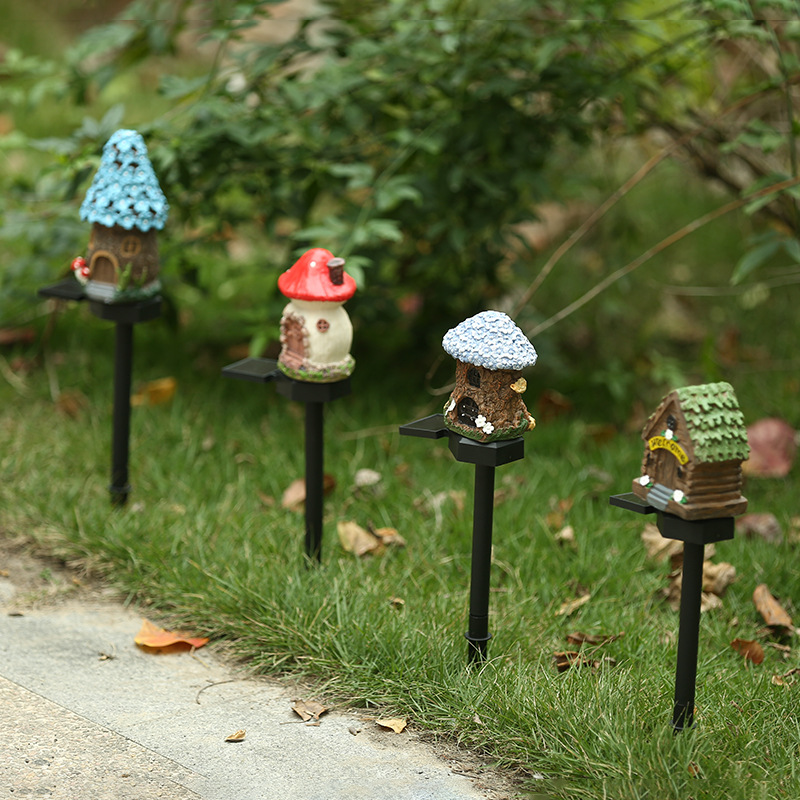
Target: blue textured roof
492,340
125,190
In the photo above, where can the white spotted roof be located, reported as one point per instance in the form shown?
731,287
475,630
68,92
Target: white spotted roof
492,340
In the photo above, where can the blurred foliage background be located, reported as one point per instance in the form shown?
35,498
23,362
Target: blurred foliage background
620,177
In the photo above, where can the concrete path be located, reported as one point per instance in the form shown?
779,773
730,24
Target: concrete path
85,713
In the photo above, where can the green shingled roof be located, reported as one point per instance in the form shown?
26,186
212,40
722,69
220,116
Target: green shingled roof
715,422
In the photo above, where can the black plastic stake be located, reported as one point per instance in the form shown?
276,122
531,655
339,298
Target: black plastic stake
695,535
688,636
313,396
485,457
482,517
125,316
120,440
314,479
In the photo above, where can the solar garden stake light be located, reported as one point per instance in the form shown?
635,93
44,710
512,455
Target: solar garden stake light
483,420
691,478
314,365
119,275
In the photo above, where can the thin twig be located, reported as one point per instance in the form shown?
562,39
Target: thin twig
16,382
617,195
681,233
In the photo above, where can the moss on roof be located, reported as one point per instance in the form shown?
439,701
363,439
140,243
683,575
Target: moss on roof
716,423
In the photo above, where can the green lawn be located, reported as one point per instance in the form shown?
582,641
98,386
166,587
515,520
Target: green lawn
205,544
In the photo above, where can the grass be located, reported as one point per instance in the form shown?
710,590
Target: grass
205,544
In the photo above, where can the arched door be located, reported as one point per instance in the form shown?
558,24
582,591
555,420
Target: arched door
103,267
467,410
293,340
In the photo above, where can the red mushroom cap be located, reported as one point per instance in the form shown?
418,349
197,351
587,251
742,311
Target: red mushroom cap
309,279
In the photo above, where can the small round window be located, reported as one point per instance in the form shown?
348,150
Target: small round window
474,377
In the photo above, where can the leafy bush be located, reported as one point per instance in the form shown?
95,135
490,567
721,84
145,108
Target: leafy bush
407,141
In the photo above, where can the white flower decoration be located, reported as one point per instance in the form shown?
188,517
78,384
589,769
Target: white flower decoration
678,496
644,480
451,405
480,421
669,433
488,427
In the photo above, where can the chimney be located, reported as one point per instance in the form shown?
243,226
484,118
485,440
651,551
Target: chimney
336,271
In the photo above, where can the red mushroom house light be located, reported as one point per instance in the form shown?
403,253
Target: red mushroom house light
316,332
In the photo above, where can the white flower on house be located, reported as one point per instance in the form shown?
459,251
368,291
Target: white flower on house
669,433
644,480
480,421
488,427
678,496
450,406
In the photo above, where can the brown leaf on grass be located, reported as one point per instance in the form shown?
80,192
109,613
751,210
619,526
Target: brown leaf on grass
11,336
751,651
659,548
571,606
294,497
157,640
772,448
389,536
787,679
568,659
155,392
774,614
396,725
579,638
71,402
236,737
718,577
308,710
365,541
766,526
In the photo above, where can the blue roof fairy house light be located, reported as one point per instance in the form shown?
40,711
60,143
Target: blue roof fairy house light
695,443
127,207
486,404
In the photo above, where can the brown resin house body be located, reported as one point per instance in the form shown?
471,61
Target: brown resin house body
486,403
695,443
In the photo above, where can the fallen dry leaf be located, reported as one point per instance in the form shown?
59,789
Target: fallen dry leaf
396,725
566,536
236,737
308,709
367,477
388,536
659,548
294,497
772,448
775,616
571,606
11,336
580,638
718,577
357,540
155,392
751,651
156,639
764,525
571,658
367,541
787,679
71,402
